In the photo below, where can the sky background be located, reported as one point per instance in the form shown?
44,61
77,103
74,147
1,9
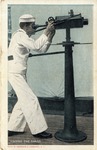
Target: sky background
46,73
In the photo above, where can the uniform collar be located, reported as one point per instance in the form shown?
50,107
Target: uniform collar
21,30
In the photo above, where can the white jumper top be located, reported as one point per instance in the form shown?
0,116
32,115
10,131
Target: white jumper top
20,46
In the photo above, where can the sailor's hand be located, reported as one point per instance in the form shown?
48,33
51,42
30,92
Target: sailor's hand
50,29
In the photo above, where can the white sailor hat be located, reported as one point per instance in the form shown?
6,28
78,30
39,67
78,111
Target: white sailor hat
26,18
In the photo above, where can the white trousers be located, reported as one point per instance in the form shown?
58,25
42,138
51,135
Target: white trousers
27,109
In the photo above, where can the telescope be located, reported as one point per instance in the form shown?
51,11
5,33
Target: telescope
62,22
69,133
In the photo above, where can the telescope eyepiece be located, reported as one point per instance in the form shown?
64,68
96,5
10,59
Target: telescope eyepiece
35,26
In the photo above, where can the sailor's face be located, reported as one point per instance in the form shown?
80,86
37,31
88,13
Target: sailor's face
31,30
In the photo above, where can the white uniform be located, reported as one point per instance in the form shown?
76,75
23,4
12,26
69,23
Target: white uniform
27,109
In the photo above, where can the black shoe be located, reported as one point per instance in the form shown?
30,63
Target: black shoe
11,133
43,135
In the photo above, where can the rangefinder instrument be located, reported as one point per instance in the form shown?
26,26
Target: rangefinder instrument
69,133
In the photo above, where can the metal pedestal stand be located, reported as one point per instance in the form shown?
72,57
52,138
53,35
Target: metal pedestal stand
70,132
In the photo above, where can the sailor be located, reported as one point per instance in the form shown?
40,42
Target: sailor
27,109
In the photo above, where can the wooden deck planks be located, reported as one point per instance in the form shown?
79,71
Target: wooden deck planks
55,122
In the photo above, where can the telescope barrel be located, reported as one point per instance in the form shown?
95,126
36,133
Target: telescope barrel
40,29
61,22
38,26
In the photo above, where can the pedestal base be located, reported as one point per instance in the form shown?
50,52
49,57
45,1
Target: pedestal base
61,135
